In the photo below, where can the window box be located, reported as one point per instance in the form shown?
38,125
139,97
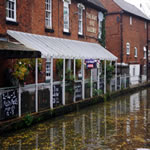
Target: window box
49,30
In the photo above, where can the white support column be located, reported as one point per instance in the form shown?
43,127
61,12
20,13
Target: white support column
98,79
51,85
36,84
74,75
83,84
91,83
125,80
105,77
63,87
116,76
19,101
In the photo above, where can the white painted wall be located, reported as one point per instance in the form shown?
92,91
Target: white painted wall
134,71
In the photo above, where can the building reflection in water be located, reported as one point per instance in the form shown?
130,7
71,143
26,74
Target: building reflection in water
98,124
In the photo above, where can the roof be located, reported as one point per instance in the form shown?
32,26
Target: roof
16,50
130,8
62,48
97,3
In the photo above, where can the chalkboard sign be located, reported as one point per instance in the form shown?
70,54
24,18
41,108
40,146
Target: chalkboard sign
10,104
57,95
101,84
78,91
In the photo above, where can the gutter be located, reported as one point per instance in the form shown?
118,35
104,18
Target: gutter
148,41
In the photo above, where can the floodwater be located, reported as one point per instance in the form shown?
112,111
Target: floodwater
120,124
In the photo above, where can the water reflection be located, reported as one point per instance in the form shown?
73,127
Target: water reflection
121,123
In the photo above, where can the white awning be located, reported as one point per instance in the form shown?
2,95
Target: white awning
62,48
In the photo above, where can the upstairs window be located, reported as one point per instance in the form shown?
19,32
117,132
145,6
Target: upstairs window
11,10
100,21
144,52
80,18
66,15
145,25
128,48
135,52
48,13
130,20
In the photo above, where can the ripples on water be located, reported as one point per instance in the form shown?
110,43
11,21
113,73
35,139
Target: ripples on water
123,123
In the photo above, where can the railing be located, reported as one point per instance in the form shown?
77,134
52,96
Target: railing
18,101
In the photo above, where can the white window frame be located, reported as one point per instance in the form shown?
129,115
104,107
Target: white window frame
128,48
48,69
66,6
144,49
48,9
100,21
135,52
12,10
131,20
145,25
80,19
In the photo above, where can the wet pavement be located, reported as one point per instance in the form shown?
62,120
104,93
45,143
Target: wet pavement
122,123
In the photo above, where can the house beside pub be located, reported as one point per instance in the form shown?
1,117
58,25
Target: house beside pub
127,31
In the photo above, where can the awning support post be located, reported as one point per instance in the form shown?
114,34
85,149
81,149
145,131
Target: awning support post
74,75
63,87
36,84
83,76
105,77
116,76
51,85
19,101
91,91
98,78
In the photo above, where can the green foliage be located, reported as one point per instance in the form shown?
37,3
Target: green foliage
109,71
69,82
78,64
97,92
28,119
59,67
102,41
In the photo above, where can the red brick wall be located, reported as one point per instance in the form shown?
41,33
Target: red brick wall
136,35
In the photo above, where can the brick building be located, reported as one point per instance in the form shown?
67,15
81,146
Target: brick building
127,36
70,19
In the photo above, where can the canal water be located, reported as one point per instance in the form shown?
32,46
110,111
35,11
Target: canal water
122,123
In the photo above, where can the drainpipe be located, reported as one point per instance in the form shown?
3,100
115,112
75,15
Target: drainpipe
147,52
121,34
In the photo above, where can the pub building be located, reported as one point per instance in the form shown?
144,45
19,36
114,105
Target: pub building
68,35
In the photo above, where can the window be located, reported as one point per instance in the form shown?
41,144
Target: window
11,10
48,70
80,18
130,20
128,48
100,20
48,13
135,52
144,52
145,25
66,15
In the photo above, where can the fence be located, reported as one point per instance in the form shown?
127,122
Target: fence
18,101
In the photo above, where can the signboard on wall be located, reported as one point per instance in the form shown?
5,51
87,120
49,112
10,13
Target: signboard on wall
57,95
78,91
9,104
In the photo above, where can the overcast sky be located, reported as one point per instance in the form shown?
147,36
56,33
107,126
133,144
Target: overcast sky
145,5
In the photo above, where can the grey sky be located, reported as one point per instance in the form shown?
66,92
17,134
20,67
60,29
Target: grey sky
144,3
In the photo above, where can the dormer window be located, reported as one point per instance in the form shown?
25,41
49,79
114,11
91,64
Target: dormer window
11,10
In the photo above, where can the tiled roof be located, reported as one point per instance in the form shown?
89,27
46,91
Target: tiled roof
97,3
130,9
